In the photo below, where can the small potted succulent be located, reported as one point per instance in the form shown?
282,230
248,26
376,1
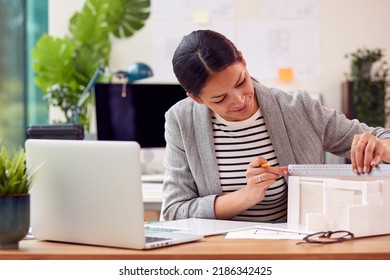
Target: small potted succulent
15,183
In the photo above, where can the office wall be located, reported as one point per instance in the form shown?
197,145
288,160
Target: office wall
344,26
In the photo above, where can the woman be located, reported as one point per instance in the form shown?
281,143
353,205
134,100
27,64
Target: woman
221,138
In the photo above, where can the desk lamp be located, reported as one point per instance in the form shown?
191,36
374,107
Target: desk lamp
134,72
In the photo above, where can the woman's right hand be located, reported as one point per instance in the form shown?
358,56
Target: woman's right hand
260,176
259,179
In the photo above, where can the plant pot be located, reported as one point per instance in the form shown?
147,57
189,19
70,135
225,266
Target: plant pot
14,219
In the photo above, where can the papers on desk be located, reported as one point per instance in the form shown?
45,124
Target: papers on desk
262,233
204,227
270,231
232,229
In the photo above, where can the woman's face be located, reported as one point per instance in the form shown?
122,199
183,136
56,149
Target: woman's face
230,93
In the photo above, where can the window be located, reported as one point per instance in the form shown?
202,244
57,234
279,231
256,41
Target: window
21,23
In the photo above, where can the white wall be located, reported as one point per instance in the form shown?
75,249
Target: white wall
345,25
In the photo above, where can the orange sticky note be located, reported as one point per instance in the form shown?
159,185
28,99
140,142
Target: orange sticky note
286,75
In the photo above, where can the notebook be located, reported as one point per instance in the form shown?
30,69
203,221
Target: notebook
90,192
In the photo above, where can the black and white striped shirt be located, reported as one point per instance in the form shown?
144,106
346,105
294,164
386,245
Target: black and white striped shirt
238,143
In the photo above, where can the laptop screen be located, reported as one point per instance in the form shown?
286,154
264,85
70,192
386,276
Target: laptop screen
136,113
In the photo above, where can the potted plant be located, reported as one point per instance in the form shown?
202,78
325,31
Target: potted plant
15,183
65,65
367,85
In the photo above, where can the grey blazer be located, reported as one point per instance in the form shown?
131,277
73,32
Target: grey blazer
300,128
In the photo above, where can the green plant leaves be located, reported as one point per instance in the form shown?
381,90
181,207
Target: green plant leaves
89,58
99,18
13,174
91,24
131,18
362,61
369,73
72,61
53,61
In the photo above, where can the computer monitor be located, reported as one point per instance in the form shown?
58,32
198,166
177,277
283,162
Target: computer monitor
136,113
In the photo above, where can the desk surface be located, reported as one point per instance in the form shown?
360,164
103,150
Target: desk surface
212,247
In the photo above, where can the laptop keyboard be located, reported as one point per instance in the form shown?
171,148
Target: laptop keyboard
150,239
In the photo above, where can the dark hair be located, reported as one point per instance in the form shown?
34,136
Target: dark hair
199,54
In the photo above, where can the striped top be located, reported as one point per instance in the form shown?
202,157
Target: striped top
238,143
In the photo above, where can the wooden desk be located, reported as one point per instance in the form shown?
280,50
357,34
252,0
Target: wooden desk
212,247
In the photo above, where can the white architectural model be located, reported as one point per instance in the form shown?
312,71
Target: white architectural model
360,205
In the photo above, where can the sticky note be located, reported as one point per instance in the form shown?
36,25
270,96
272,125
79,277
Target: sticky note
200,16
286,75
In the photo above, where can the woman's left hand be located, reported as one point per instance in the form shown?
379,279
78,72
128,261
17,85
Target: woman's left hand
367,151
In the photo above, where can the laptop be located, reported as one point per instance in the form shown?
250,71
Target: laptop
90,192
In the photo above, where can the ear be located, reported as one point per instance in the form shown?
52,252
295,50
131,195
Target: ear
196,99
242,58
